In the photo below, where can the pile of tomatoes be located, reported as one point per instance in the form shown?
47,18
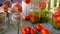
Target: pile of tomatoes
31,18
38,27
56,19
17,7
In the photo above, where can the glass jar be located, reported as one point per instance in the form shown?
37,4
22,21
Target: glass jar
15,18
3,24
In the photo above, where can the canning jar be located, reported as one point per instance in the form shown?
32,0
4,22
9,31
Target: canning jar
56,19
15,18
3,24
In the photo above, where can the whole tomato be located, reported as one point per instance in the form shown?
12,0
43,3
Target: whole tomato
28,29
27,17
38,27
5,7
33,18
42,5
44,31
24,31
32,31
27,1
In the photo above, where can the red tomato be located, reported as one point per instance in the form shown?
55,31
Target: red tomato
58,8
38,27
27,1
58,18
18,6
5,7
56,14
54,19
44,31
24,31
28,29
32,19
27,17
42,5
32,31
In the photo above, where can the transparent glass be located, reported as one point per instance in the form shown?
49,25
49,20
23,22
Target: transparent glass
3,21
15,18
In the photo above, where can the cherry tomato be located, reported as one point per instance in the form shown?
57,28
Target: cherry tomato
42,5
27,17
27,1
32,31
38,27
24,31
5,7
44,31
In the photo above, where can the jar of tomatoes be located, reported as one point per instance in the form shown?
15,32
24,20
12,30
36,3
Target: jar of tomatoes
3,24
56,19
15,16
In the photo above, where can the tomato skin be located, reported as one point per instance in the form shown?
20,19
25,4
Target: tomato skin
44,31
56,14
58,24
58,8
28,29
58,19
5,7
42,5
24,31
18,6
38,27
27,1
33,18
32,31
27,17
54,19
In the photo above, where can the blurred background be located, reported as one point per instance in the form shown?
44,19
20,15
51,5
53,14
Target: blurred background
13,1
